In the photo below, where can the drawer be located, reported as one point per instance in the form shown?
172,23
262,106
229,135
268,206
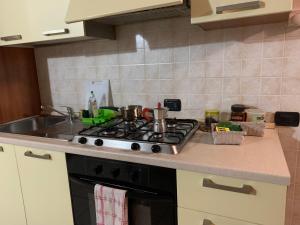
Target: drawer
247,200
191,217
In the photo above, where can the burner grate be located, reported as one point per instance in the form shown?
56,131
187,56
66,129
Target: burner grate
122,134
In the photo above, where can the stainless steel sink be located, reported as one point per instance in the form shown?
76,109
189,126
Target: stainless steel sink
56,127
32,124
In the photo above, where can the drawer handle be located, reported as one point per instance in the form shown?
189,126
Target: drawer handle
207,222
245,189
56,32
31,154
11,38
1,149
239,7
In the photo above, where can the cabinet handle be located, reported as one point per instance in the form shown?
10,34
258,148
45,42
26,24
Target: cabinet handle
31,154
207,222
245,189
56,32
11,38
239,7
1,149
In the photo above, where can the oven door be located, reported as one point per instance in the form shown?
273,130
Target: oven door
144,208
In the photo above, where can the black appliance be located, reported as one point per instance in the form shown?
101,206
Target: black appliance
151,190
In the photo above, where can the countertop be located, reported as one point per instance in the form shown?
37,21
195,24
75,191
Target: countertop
258,158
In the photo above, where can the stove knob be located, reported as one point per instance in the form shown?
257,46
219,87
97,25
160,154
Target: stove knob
98,142
99,169
134,175
135,147
156,148
116,172
82,140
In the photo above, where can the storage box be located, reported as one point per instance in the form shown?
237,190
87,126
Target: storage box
227,137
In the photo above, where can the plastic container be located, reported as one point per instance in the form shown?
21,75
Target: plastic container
227,137
103,116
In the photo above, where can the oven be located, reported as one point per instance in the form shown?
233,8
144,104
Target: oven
151,191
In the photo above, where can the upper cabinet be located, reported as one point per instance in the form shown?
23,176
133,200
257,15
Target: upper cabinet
210,14
14,27
85,10
37,22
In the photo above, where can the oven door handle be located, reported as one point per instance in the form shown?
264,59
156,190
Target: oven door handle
85,181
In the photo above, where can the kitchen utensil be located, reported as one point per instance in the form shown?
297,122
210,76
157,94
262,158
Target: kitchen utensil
160,114
148,114
137,110
127,113
131,112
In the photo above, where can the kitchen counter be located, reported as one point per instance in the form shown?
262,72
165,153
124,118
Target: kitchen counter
258,158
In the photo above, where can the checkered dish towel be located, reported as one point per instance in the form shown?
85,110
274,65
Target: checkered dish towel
111,206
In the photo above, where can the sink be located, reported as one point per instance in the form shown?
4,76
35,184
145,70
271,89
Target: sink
31,124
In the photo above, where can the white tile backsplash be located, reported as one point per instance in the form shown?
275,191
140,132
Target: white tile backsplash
149,61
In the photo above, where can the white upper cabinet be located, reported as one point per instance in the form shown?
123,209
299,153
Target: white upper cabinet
47,21
85,10
31,22
224,13
14,27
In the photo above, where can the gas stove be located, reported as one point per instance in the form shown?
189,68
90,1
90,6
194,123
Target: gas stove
138,135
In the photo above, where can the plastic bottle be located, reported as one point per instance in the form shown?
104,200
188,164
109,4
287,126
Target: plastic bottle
93,105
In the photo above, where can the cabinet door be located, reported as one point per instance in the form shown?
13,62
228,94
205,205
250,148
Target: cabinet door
14,27
45,187
191,217
47,21
11,203
262,203
222,10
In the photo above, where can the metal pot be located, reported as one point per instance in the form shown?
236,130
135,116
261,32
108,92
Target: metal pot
137,110
131,112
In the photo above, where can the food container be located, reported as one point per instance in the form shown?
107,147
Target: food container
227,137
211,116
255,115
254,128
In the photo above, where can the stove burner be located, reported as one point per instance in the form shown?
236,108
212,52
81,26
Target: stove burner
110,131
171,123
157,135
121,134
130,126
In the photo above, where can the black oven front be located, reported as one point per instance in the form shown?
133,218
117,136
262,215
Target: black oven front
151,191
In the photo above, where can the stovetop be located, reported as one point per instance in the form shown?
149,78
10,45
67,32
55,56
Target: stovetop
139,136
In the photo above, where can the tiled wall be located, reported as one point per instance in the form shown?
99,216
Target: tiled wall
257,65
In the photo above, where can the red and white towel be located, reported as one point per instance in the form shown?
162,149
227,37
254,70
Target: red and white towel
111,206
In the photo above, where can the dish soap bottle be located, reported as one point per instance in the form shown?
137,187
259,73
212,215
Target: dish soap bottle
93,105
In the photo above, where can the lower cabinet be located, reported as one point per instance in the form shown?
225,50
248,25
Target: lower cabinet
45,186
243,200
11,202
34,187
191,217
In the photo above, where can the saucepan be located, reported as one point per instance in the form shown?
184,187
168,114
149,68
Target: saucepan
133,112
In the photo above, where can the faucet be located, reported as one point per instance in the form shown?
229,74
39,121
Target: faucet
71,115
